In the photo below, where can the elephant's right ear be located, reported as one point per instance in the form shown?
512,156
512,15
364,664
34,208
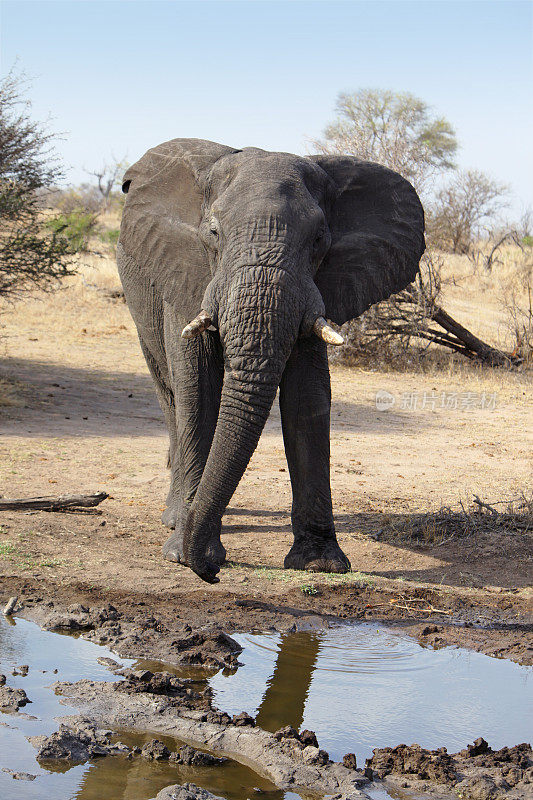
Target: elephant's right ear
377,236
163,209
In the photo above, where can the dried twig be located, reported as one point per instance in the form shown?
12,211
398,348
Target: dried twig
482,504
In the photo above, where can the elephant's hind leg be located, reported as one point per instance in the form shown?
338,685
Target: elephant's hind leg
305,401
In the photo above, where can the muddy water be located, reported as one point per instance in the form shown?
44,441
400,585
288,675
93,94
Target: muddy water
364,686
358,687
110,778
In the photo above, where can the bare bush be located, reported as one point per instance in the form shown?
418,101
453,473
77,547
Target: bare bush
108,178
519,316
392,128
468,202
85,198
409,322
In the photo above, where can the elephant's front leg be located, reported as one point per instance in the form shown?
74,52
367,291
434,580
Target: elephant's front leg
196,371
305,402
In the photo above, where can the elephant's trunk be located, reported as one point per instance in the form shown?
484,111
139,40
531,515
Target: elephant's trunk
242,416
259,315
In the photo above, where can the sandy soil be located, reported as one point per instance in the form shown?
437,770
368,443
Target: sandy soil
81,416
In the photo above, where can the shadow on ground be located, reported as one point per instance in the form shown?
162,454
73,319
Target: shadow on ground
63,401
474,560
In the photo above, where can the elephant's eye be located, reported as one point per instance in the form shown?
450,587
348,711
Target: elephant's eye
213,227
320,235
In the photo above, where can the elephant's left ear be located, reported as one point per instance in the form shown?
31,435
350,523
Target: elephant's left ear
377,228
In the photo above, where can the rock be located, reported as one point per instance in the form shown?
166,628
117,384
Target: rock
186,791
286,733
2,680
108,662
478,788
308,737
12,699
479,747
188,756
19,776
243,719
349,761
73,743
155,750
312,755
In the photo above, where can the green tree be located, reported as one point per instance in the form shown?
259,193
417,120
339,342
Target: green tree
395,129
30,252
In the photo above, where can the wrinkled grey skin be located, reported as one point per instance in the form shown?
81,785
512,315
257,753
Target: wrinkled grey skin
265,243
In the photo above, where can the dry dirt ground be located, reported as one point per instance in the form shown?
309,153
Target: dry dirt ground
80,416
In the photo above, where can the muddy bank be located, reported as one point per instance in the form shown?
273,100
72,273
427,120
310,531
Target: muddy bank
81,740
285,758
476,773
142,635
292,760
496,623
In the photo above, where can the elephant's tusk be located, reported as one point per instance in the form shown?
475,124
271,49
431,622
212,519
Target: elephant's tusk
326,332
196,326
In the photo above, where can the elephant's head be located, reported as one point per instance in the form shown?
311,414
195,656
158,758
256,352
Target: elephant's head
261,246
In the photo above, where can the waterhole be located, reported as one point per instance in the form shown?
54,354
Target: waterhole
364,686
358,687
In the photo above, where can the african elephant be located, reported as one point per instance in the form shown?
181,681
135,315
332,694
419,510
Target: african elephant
230,261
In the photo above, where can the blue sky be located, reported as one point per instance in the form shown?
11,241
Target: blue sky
120,76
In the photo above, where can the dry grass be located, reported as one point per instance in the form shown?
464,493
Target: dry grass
437,528
480,300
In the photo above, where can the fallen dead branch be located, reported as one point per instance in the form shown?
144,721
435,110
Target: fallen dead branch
481,504
67,502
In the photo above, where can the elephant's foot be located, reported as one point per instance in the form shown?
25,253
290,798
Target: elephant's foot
317,555
169,517
173,550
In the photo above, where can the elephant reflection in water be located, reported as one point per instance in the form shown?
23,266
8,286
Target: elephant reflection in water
287,690
283,703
